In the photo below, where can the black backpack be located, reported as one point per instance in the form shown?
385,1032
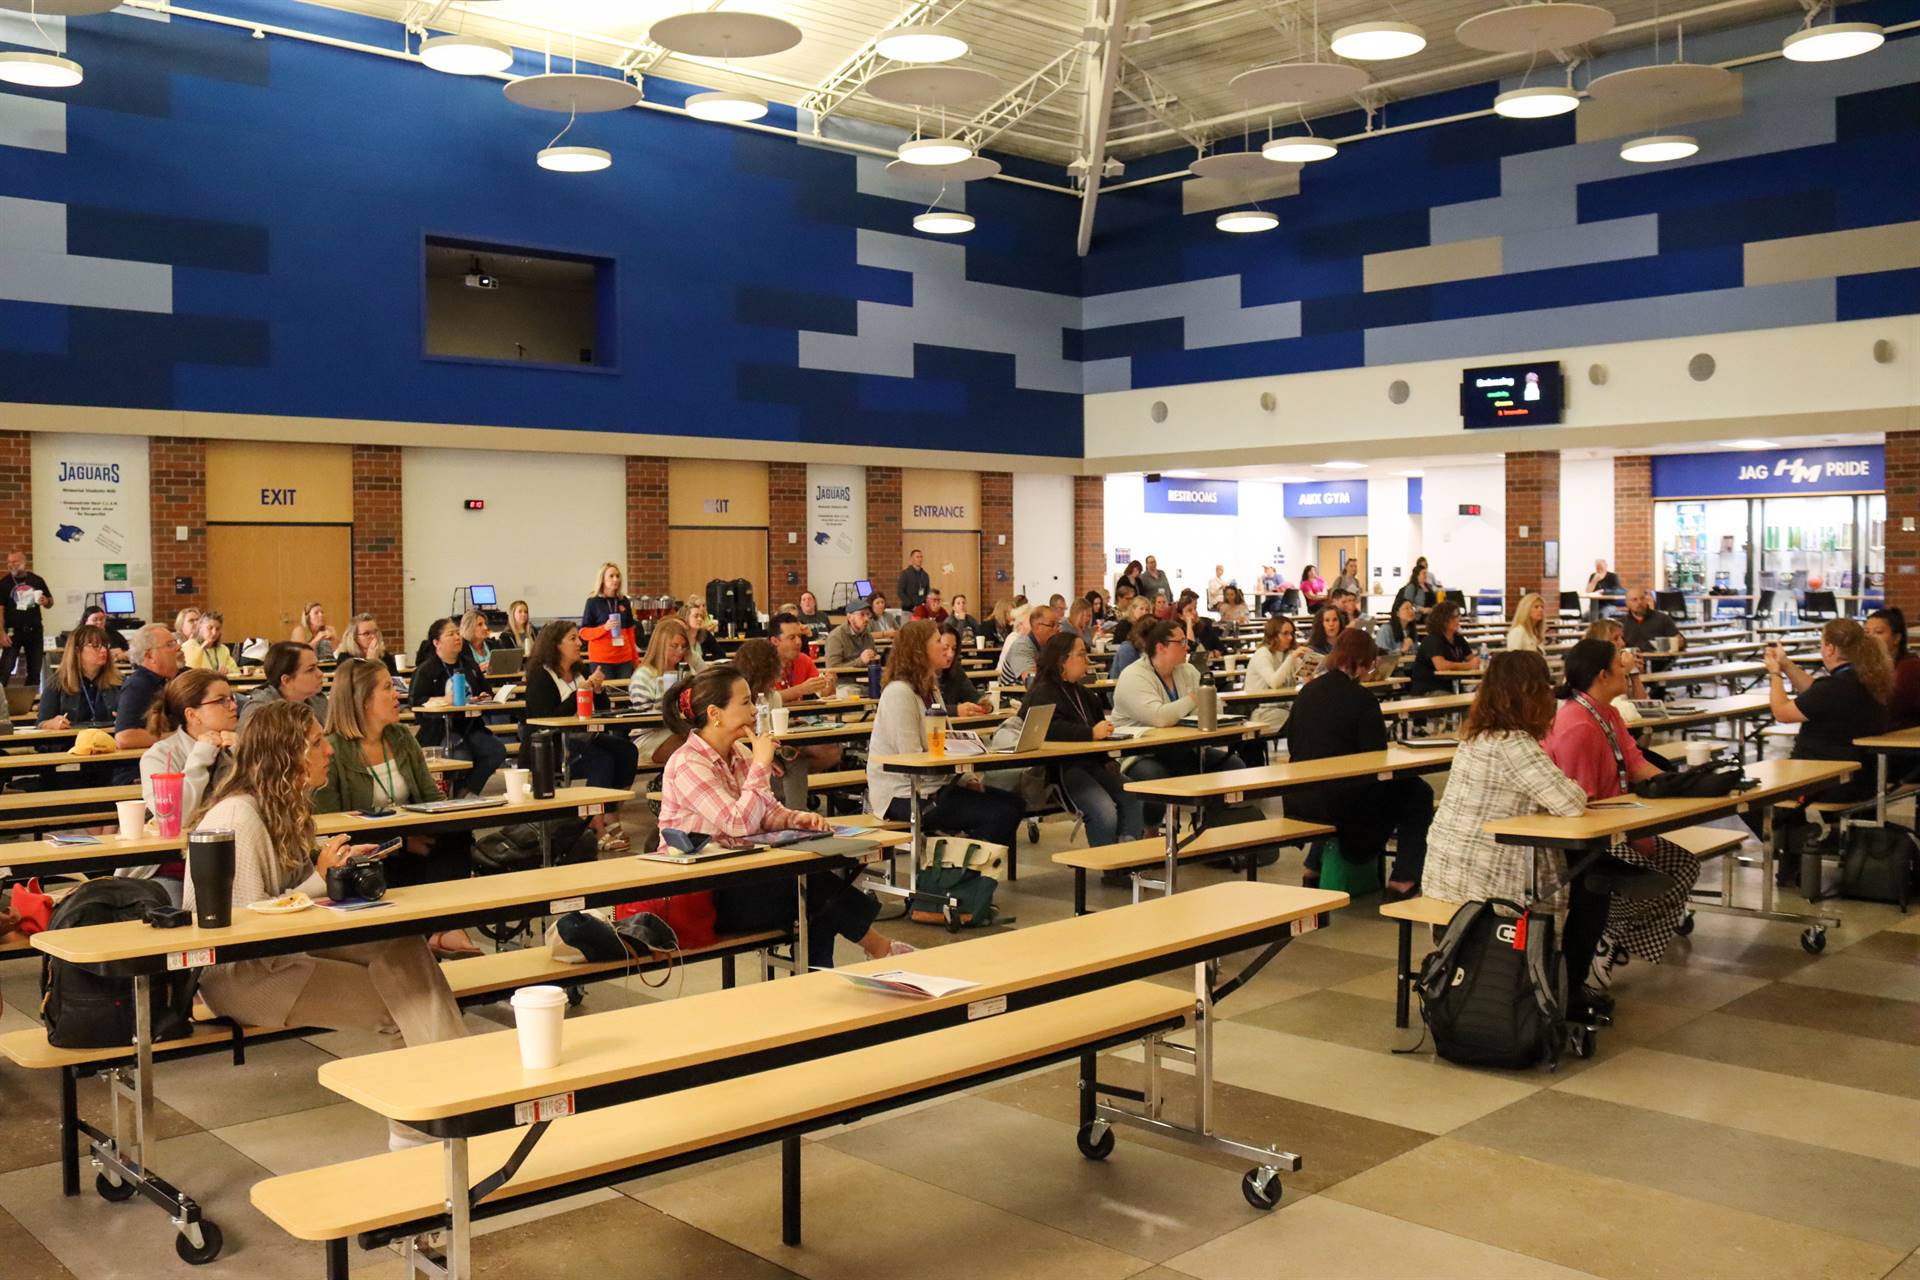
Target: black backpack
83,1010
1877,864
746,618
1492,993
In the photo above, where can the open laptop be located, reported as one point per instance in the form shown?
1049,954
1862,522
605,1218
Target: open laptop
460,805
1383,669
505,662
1033,736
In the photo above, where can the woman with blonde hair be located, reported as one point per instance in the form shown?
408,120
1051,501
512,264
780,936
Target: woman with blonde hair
702,645
313,629
608,626
519,632
186,624
1529,630
657,676
476,633
1847,701
281,757
84,689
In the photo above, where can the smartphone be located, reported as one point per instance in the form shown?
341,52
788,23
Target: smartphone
373,813
388,849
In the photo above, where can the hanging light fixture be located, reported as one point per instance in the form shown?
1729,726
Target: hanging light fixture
572,159
38,70
1832,42
1300,149
1659,148
1537,103
943,222
920,43
465,55
1242,222
935,151
725,106
1378,41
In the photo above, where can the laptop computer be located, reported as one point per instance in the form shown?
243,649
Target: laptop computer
506,662
1384,668
1033,736
21,699
460,805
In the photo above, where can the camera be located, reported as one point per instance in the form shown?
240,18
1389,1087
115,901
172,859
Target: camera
357,878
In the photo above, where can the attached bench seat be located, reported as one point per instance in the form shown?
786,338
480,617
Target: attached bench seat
1150,852
381,1193
1701,842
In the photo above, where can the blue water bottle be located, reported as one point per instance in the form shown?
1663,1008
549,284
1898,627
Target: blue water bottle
873,679
457,688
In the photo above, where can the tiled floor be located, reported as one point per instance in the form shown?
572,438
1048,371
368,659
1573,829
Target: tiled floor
1754,1113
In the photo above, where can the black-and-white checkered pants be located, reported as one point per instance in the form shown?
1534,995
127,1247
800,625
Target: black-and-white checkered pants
1645,926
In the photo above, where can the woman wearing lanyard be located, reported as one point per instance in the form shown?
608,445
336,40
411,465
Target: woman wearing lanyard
607,625
1093,783
1590,743
466,734
85,688
555,676
378,765
192,720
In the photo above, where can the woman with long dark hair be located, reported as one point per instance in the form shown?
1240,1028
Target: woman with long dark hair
1094,784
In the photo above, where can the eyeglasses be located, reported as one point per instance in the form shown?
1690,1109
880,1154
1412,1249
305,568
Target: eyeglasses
229,701
94,644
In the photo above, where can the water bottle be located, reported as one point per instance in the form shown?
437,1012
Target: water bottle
1483,654
457,688
1206,704
543,764
873,678
616,624
762,716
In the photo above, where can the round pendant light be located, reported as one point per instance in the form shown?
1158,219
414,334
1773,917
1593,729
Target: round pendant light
1834,41
943,222
1378,41
38,70
920,43
707,34
1242,222
721,106
1537,103
574,159
1300,149
935,151
1659,148
460,55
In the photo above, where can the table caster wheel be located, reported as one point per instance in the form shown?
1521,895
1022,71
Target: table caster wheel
575,996
1095,1140
951,914
1813,941
1261,1187
110,1191
1580,1040
206,1250
1033,832
1685,927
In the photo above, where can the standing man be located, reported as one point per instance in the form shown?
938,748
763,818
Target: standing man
1645,625
1153,582
26,636
911,587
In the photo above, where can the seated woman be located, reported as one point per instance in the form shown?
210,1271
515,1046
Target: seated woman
1328,623
657,675
1233,608
475,631
703,646
291,673
206,650
1313,588
1502,771
83,689
957,692
1336,716
1443,654
1208,648
192,720
1399,634
363,639
963,807
312,629
1590,743
1848,701
95,616
1889,627
1094,784
813,616
1529,629
377,764
1276,664
556,672
464,737
281,757
712,787
186,625
960,616
519,632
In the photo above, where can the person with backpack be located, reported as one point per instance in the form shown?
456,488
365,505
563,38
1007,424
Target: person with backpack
281,758
712,787
1501,770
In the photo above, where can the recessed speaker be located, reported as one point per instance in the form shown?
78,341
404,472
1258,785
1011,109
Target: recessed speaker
1883,352
1269,401
1701,367
1398,391
1159,411
1597,374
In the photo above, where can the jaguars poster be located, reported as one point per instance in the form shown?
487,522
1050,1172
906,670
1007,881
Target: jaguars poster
91,528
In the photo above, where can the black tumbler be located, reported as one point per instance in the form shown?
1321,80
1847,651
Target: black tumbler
543,764
210,864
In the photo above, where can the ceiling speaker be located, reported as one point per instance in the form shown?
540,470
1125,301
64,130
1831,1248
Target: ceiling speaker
1159,411
1398,391
1701,367
1597,374
1883,352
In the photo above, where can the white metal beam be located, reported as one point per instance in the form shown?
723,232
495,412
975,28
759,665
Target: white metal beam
1106,60
1160,103
1022,100
859,66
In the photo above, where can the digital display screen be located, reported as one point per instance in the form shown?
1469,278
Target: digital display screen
862,588
1512,395
482,595
117,602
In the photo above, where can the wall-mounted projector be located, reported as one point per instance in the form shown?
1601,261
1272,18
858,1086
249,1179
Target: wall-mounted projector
481,280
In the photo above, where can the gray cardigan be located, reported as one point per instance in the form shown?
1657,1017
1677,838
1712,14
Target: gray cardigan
1140,701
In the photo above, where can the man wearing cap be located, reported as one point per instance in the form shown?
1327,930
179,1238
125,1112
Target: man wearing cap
847,644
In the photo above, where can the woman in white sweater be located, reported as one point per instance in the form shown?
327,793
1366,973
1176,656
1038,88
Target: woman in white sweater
191,720
1529,630
1276,664
281,758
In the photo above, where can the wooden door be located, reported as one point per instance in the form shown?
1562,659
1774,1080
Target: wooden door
1332,552
260,576
962,551
700,555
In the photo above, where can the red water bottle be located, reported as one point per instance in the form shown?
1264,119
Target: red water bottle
583,703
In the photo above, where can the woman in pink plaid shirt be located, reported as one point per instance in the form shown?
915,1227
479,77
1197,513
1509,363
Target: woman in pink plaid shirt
713,788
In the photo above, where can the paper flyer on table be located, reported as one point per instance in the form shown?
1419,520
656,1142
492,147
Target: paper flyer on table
899,982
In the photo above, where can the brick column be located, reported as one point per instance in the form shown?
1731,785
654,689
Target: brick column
177,474
1632,522
379,548
786,531
16,492
885,554
648,559
1903,502
1089,533
996,522
1533,500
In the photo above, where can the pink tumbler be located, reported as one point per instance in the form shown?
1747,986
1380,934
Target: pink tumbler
583,703
166,803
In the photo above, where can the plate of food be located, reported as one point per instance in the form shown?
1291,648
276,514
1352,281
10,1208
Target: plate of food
285,904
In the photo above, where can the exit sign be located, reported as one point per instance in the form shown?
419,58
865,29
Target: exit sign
1469,508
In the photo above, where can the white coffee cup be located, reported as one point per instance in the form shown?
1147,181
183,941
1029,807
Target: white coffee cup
993,698
519,785
133,819
1701,752
537,1015
781,716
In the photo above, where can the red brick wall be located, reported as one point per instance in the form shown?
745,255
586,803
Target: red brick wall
885,554
178,475
1632,521
786,517
1903,501
1089,533
648,559
16,493
379,568
1533,500
996,522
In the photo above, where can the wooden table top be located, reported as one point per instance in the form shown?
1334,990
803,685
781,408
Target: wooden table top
666,1044
1193,788
49,759
1776,778
1145,740
1899,740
